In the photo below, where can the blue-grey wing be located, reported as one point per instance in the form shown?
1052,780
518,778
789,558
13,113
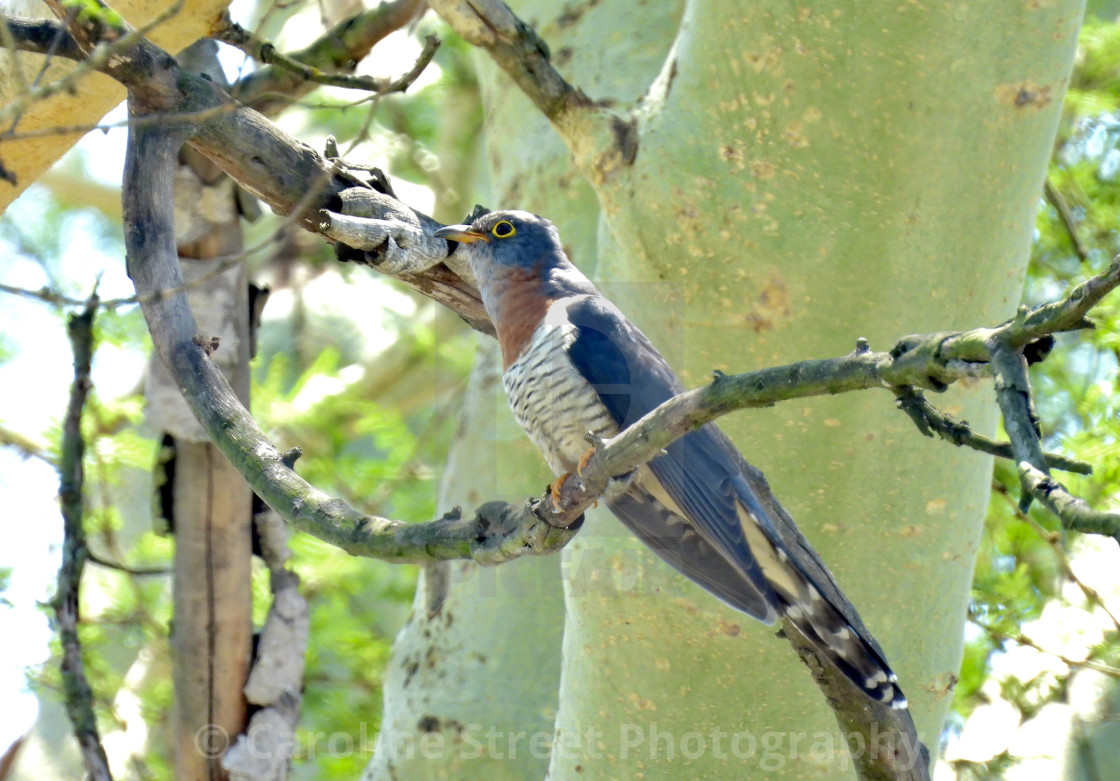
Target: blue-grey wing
689,514
695,507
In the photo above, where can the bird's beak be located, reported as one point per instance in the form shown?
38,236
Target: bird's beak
460,233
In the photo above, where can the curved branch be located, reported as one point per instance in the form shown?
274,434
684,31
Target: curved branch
601,141
497,531
293,178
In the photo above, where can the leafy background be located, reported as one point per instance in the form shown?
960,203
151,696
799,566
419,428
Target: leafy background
365,377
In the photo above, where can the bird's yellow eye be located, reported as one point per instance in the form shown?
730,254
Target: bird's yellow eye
503,229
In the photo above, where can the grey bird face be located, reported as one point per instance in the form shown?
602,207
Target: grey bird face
507,240
520,267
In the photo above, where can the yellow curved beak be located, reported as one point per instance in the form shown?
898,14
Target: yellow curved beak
460,233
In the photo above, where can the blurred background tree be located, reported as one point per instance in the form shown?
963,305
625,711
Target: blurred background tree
368,379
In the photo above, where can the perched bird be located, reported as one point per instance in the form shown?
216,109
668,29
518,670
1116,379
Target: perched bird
573,364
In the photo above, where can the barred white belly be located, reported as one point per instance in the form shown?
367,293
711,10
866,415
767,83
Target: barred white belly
552,401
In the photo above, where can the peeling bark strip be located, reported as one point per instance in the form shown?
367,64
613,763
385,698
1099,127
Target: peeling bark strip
78,695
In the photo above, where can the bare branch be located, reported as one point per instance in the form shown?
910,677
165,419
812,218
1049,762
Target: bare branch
1074,513
340,49
30,447
261,50
916,361
295,179
1029,325
1058,201
66,601
930,420
126,569
43,294
517,49
919,361
497,532
602,142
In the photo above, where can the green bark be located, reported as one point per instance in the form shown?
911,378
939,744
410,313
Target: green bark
480,651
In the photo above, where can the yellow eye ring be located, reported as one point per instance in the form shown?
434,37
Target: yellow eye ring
503,229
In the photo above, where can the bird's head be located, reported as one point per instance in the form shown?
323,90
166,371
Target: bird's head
521,269
516,248
513,240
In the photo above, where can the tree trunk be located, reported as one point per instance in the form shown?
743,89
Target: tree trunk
811,178
211,503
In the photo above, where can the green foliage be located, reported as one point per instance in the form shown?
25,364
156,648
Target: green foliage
91,10
5,582
383,458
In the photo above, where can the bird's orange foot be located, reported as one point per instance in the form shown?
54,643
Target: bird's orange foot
557,486
584,460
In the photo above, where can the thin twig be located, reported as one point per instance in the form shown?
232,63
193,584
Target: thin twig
263,51
126,569
1058,201
66,601
157,118
29,446
1020,639
43,294
930,420
340,48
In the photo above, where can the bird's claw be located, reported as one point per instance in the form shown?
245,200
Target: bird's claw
584,460
557,487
